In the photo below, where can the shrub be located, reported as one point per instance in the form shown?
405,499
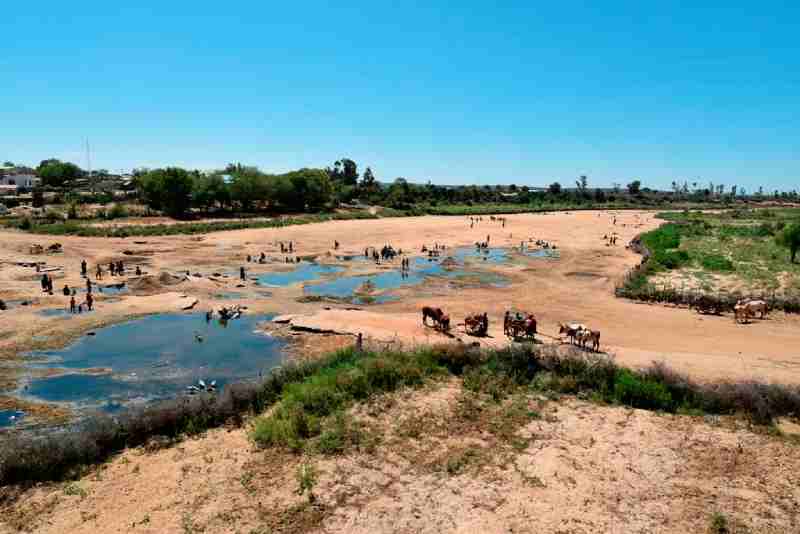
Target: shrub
639,392
716,263
117,211
671,259
306,480
718,524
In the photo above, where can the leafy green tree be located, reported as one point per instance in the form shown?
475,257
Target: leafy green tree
250,187
790,238
312,188
399,193
554,188
368,180
349,172
635,187
8,163
56,173
344,171
167,189
210,191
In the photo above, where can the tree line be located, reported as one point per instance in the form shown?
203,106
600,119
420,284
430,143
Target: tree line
241,188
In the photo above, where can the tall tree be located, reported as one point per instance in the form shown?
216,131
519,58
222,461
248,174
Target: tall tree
554,188
167,189
56,173
635,187
349,172
790,238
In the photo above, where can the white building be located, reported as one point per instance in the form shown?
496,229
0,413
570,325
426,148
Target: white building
20,178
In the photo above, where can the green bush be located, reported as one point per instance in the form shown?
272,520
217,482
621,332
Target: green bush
117,211
671,259
665,237
633,390
716,263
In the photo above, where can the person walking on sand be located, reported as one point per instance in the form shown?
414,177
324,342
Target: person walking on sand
112,268
89,301
88,285
98,275
72,307
242,274
83,268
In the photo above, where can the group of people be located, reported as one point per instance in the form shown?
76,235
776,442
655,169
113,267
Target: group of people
262,258
47,284
610,239
115,268
502,220
542,243
387,252
287,248
474,220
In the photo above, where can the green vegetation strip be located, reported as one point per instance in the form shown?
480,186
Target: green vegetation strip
749,244
308,402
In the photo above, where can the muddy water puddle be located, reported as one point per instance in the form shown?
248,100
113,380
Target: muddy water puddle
543,253
378,286
153,358
303,272
461,265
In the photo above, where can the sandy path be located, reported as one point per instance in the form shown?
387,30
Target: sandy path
577,287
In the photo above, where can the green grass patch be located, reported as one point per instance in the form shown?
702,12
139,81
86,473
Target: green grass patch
739,242
716,263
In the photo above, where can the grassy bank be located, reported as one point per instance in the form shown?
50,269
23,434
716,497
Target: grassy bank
309,402
719,257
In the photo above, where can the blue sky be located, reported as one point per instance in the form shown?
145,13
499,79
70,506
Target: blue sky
455,92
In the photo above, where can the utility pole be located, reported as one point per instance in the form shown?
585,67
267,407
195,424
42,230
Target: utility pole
89,166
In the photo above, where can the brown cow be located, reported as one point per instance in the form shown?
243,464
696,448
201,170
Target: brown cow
570,329
585,335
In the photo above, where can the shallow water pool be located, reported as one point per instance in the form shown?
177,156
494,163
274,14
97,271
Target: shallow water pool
155,357
303,272
10,417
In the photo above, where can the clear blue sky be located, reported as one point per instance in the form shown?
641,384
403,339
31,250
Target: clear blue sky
454,92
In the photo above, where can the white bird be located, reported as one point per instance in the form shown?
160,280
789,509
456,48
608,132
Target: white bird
202,383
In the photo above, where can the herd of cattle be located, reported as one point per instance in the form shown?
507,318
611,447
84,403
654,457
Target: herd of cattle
516,325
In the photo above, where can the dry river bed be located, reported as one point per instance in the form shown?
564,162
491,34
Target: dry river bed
576,287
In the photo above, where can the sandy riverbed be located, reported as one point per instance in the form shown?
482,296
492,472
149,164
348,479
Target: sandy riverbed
579,286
